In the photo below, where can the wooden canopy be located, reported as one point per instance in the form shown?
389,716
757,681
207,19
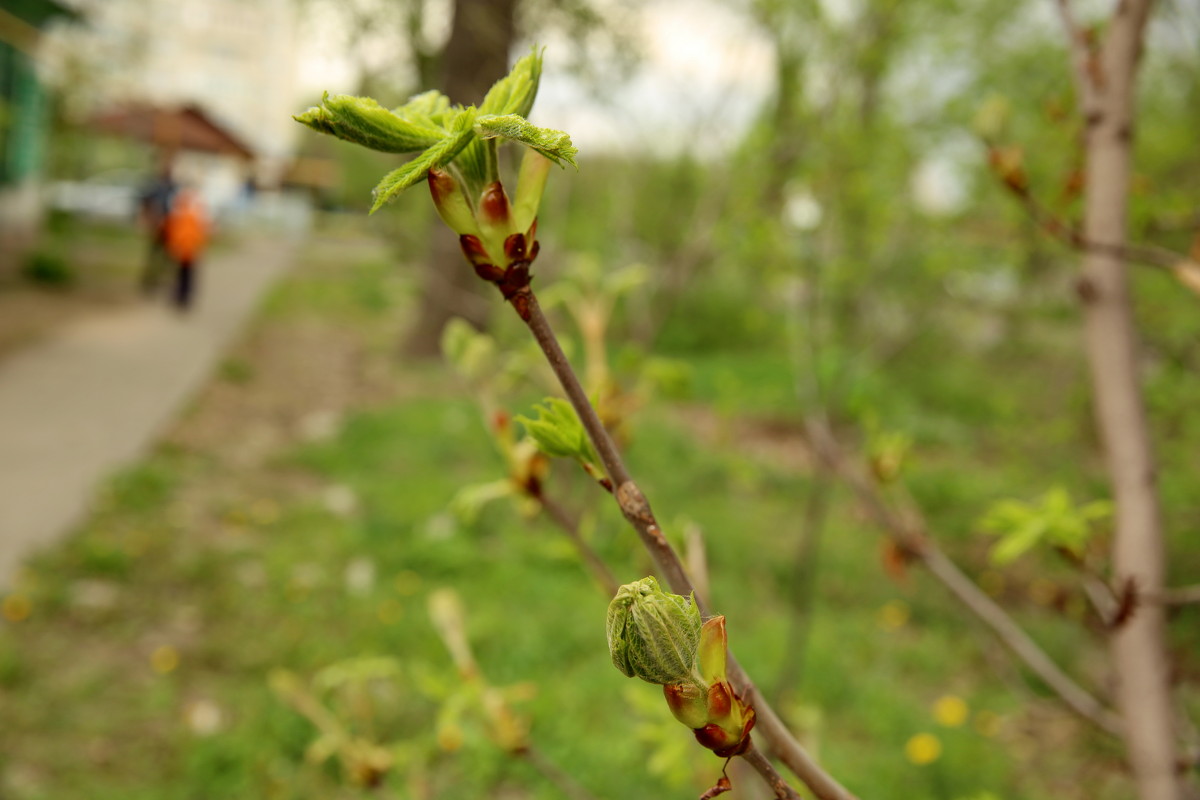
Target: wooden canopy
183,128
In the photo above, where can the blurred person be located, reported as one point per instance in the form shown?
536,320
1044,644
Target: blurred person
155,203
185,235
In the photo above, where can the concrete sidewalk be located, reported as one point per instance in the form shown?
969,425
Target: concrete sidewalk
96,395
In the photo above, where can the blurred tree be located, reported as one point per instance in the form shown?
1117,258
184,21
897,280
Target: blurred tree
475,57
482,35
1106,69
463,59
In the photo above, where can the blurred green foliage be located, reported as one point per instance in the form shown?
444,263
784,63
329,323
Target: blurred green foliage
48,270
799,270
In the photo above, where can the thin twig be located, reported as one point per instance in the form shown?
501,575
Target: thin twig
1183,596
1104,601
555,774
767,770
636,509
805,571
1084,60
591,558
911,535
632,502
1147,254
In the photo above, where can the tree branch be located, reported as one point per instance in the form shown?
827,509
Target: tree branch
1183,596
912,536
562,779
636,509
632,502
1085,64
1138,646
600,571
1147,254
767,770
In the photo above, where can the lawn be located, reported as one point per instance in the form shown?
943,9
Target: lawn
282,546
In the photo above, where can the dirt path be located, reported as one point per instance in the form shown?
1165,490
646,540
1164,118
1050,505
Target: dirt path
91,398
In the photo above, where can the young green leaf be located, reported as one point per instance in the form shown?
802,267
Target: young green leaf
469,501
514,93
363,121
414,171
557,430
428,108
1055,521
554,145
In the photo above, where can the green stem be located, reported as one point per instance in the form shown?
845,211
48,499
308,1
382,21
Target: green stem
492,156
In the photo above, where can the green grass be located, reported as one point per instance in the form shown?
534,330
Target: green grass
240,571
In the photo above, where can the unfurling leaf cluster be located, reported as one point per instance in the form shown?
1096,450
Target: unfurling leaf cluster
1055,521
445,135
559,433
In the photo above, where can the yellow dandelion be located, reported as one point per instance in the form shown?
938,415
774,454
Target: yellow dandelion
164,659
16,607
950,711
987,723
893,615
923,749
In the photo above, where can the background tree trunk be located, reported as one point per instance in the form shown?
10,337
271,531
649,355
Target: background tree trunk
1106,79
476,56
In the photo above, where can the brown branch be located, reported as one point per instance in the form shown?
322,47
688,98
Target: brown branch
1147,254
1085,64
632,502
1183,596
595,564
565,782
766,769
636,509
1142,667
910,533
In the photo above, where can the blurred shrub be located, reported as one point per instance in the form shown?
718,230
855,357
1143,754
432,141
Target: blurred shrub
716,315
49,270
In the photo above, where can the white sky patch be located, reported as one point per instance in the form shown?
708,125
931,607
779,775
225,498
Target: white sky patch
707,71
801,210
322,67
940,183
840,12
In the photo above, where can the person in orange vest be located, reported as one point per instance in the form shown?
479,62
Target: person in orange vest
186,234
155,204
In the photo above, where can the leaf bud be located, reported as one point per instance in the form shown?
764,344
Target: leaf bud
652,634
531,184
493,205
451,203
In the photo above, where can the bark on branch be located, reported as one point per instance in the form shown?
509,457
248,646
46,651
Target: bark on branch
636,509
910,533
1143,689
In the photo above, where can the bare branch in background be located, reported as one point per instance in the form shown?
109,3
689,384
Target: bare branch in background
910,533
